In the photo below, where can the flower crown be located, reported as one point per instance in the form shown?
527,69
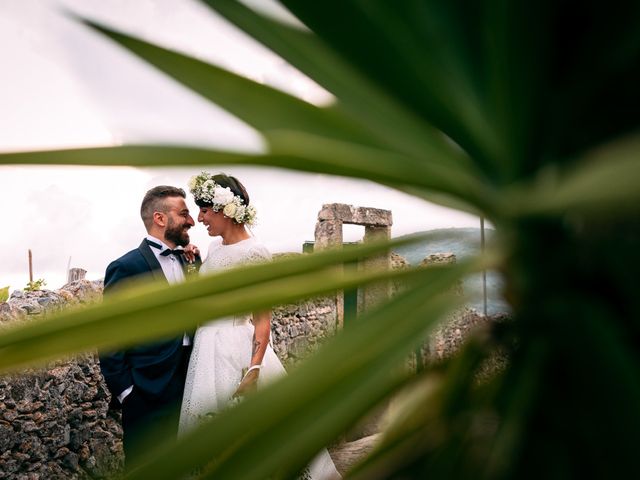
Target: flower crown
204,188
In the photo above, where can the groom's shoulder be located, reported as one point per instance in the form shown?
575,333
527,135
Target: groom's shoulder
131,255
129,260
128,265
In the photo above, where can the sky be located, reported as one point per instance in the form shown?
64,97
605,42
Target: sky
63,86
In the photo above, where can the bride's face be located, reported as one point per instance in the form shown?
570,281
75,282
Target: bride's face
214,221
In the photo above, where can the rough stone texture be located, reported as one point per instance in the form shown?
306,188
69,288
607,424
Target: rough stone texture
397,262
54,421
449,336
76,274
366,216
328,234
372,295
298,329
24,305
10,312
438,258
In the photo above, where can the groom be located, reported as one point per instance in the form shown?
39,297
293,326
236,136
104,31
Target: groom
147,381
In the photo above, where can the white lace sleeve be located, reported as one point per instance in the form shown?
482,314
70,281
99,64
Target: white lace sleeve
258,254
207,261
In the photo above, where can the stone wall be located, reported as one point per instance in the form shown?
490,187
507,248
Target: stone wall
298,329
449,335
54,421
377,226
24,305
54,424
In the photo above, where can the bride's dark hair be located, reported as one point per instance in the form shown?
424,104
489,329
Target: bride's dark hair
227,181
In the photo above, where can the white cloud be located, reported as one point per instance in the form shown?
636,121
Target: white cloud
92,213
63,85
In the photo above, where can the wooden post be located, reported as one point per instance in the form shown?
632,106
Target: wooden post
30,266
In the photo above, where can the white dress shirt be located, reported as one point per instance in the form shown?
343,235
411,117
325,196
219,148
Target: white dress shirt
171,266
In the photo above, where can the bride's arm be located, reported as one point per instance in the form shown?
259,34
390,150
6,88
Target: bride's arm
261,333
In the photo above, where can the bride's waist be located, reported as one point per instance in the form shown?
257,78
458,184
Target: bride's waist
237,321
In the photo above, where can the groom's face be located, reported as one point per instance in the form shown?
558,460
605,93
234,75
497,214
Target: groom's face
178,221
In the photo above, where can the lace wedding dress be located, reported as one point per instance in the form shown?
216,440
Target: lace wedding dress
222,349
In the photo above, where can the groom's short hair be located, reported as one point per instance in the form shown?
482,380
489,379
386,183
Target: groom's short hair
153,201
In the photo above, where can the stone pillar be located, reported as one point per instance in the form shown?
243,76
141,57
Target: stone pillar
328,235
373,294
377,225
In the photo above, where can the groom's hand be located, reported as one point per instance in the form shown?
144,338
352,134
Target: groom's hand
248,385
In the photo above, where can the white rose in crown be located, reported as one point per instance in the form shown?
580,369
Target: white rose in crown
230,210
222,196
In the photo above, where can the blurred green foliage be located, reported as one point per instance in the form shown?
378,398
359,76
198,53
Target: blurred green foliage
35,285
523,112
4,294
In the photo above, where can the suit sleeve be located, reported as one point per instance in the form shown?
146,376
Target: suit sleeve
114,365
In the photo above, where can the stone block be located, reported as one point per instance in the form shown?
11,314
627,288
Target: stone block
355,215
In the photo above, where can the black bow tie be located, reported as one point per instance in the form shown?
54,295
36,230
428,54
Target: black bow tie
168,251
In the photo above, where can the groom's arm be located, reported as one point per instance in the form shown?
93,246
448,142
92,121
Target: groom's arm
116,373
113,365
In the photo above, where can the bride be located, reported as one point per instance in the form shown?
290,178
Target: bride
233,356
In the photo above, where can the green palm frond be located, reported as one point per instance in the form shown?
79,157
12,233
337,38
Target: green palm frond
370,354
523,112
154,310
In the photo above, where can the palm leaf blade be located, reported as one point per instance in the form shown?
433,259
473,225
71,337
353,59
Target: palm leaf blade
347,358
261,106
356,95
157,311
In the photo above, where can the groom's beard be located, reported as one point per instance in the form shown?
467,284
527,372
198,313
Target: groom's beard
176,233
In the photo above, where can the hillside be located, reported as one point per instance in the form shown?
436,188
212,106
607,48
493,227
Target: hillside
463,242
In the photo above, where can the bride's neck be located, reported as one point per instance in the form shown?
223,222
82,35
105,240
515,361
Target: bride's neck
236,233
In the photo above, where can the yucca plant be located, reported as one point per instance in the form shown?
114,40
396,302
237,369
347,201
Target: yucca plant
523,112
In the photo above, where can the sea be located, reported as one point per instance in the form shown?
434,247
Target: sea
464,243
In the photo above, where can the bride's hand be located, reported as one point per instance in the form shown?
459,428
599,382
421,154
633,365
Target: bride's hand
248,385
191,252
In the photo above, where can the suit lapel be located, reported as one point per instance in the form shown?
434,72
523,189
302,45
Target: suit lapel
152,261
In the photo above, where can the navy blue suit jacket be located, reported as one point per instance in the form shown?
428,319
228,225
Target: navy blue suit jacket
150,367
